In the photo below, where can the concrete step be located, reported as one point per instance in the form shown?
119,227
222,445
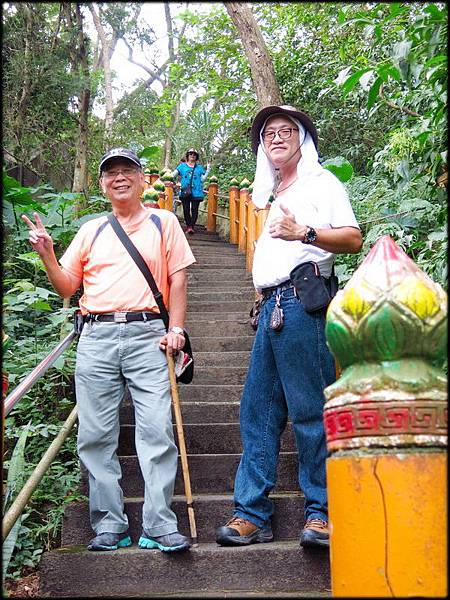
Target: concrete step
227,393
218,264
216,329
229,295
204,286
202,275
209,473
215,248
220,306
211,511
195,412
259,568
210,392
219,359
238,317
222,344
220,375
224,260
208,242
204,438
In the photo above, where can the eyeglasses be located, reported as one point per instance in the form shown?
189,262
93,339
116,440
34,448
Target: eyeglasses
126,172
283,134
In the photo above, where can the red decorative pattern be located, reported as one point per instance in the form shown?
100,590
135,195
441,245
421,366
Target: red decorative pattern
386,419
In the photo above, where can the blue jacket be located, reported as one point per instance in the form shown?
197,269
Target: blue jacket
185,172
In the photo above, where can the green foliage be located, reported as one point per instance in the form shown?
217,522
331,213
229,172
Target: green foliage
14,484
33,318
340,167
39,89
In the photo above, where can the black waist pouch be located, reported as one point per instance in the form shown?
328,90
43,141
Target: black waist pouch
314,291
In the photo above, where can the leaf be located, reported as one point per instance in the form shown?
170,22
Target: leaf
434,12
59,363
340,167
402,169
351,81
151,153
8,546
364,80
14,483
41,305
373,92
401,50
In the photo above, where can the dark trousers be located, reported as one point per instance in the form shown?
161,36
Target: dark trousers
190,210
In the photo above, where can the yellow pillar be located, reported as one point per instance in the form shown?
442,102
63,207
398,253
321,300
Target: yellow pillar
162,200
212,206
242,230
385,421
261,216
389,520
168,195
153,177
251,234
233,213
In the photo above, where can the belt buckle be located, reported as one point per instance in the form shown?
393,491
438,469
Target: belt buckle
120,317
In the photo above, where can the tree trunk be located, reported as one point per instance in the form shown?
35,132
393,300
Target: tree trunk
169,134
175,114
261,66
80,171
106,53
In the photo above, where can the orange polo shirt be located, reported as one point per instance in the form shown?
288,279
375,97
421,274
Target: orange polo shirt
111,279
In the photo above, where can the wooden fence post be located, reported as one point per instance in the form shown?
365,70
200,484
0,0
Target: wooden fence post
233,211
212,206
242,231
251,234
386,428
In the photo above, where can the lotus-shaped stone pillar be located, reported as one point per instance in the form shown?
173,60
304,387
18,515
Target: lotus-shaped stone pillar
386,328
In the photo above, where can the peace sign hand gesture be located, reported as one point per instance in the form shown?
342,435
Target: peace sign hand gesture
39,239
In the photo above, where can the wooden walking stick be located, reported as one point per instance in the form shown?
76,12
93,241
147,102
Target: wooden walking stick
182,447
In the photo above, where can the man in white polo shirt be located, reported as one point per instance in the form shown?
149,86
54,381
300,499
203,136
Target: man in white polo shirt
310,219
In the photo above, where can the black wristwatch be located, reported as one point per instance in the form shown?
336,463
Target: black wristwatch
310,235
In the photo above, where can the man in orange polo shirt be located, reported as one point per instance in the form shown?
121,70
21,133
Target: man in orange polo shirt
123,342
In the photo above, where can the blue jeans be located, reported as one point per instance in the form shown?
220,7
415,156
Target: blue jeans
287,374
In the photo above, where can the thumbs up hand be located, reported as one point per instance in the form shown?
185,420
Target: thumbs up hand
286,227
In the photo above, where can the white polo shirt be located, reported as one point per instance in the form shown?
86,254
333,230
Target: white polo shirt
321,202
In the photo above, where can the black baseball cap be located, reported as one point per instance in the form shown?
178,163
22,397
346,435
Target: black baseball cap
118,153
289,111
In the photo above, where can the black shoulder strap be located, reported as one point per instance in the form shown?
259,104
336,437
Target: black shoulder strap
136,256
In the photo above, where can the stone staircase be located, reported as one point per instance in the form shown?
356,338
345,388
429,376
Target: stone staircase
220,297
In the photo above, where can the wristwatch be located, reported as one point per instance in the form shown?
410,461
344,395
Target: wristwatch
178,330
310,235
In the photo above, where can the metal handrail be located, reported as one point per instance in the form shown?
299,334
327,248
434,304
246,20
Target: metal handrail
16,508
37,373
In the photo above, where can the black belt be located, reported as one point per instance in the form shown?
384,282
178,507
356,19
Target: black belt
121,317
285,285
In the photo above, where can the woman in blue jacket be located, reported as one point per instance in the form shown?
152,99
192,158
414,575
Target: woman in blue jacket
192,175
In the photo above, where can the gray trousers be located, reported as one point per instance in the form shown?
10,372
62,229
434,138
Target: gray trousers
110,355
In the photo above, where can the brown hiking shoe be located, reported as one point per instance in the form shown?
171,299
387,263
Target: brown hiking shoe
315,533
240,532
